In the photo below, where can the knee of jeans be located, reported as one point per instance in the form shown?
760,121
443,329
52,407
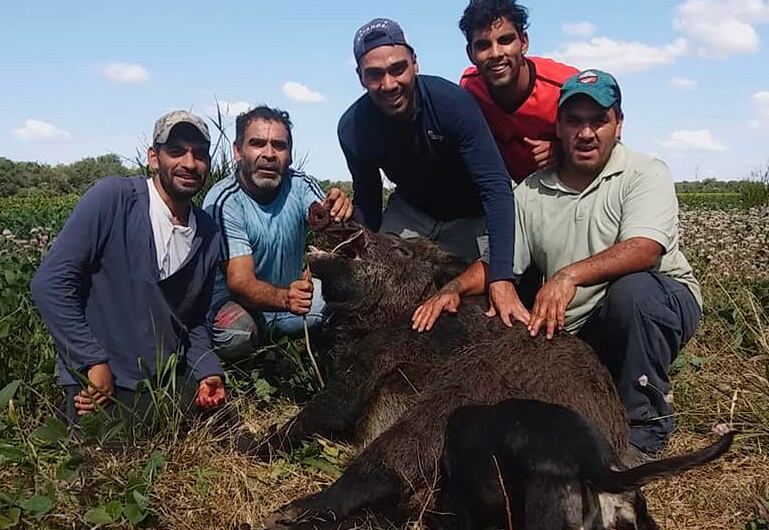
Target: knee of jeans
314,320
631,291
235,317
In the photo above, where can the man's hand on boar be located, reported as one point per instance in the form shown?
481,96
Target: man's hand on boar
447,299
504,302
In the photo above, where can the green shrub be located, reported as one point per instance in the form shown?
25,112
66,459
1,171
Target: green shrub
712,201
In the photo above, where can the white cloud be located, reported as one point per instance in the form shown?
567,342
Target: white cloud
578,29
38,130
618,56
721,28
761,103
126,73
683,83
694,140
229,109
300,92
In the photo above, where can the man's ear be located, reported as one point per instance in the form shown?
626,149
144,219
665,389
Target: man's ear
360,77
152,160
236,151
416,64
618,132
469,52
524,42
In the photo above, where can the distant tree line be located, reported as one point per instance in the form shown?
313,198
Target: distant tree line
32,178
710,185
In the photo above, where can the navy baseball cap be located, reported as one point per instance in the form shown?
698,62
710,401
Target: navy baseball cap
598,85
376,33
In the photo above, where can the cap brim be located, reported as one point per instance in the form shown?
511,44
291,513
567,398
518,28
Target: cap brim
603,100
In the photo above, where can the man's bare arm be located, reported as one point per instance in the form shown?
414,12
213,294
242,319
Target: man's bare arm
633,255
260,295
471,281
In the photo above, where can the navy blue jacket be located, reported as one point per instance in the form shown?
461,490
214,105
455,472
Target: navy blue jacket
443,161
100,295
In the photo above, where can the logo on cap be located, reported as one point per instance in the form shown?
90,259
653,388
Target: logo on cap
588,78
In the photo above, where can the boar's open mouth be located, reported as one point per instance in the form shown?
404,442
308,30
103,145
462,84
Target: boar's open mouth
349,248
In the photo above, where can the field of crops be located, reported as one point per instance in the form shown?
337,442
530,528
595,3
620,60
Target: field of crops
48,480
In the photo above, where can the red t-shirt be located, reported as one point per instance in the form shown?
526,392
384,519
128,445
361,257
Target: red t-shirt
534,119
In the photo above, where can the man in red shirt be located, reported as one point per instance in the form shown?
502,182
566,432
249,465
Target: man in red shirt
517,94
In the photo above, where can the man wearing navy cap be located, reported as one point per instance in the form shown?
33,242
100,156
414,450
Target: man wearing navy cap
430,138
603,227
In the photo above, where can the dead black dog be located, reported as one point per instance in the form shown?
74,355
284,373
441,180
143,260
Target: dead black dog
538,466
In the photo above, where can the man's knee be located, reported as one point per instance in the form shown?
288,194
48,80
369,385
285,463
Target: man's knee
629,294
235,332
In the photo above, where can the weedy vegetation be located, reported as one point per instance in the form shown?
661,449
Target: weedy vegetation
173,475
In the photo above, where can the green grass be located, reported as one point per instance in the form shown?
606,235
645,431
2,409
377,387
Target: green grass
716,201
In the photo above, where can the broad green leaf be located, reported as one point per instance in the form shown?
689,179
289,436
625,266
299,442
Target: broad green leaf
696,361
38,505
68,470
11,454
154,464
6,394
322,465
51,431
98,516
141,501
10,519
134,513
114,508
41,378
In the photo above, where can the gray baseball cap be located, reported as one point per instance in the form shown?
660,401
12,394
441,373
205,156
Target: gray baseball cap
375,33
167,122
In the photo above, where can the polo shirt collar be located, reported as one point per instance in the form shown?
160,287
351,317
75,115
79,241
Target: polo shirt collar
616,164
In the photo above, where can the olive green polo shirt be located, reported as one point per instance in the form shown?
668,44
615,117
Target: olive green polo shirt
555,226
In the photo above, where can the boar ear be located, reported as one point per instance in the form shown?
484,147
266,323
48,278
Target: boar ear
448,268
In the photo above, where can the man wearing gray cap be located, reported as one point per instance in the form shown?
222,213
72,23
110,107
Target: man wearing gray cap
128,281
603,227
430,138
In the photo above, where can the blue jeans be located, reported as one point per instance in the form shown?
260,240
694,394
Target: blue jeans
238,332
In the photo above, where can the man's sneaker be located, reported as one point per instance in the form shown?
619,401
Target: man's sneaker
634,457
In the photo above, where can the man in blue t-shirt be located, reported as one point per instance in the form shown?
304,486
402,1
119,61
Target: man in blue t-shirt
262,212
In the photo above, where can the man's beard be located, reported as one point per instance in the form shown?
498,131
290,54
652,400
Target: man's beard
264,185
179,193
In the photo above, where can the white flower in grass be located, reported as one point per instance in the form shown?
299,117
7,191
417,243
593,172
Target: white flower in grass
721,429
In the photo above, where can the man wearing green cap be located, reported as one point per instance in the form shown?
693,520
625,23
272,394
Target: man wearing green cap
603,226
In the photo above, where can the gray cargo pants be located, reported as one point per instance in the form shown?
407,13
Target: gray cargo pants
465,238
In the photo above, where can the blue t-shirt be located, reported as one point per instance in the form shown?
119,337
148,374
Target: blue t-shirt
274,234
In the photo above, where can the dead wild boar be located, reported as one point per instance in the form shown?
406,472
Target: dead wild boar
394,389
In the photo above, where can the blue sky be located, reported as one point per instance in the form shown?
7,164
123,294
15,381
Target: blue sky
88,77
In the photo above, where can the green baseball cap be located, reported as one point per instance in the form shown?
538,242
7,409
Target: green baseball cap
598,85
